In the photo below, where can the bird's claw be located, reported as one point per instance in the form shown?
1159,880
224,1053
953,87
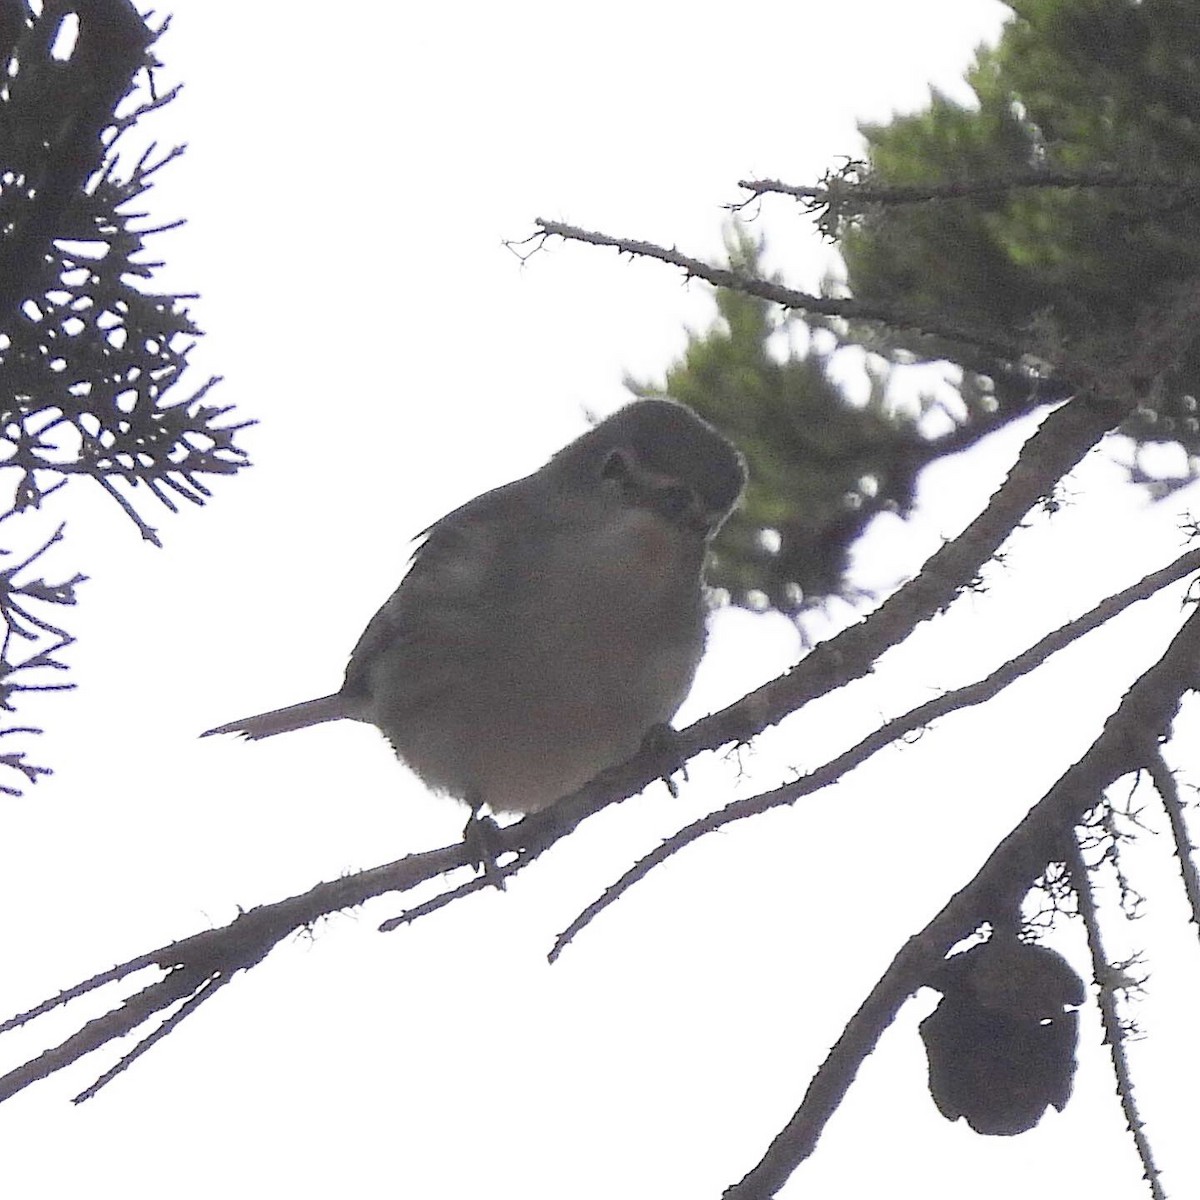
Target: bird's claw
481,836
661,739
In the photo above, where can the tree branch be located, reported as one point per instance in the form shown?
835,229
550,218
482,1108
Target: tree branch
1164,783
1103,973
850,195
1003,348
194,964
1129,735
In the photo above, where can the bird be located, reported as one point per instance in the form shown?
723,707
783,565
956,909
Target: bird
545,627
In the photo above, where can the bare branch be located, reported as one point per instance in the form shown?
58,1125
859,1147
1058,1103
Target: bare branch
205,991
858,195
1164,783
195,963
149,106
1114,1035
1006,349
478,884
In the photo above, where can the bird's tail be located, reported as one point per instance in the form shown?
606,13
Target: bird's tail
284,720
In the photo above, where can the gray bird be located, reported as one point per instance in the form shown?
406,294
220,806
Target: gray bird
546,626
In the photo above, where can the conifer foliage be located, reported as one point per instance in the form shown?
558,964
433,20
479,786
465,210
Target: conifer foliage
91,354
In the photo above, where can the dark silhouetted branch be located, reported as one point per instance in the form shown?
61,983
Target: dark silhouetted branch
1165,785
1104,975
1003,349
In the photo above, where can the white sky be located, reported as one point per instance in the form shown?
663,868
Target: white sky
351,175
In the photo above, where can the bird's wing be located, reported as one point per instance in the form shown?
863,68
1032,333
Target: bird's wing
452,563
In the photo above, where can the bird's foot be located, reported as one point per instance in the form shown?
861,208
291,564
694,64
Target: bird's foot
481,836
660,739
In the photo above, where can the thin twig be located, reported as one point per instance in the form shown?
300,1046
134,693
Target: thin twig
214,953
988,341
1164,783
82,988
147,531
1114,1036
205,991
490,878
958,189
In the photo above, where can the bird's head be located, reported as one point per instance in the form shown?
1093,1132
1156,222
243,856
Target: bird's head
660,455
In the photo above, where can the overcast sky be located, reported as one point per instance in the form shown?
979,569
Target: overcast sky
351,177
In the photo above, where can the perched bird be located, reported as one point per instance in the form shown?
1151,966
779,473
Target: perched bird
544,628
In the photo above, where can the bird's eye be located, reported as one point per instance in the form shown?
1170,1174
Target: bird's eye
615,466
